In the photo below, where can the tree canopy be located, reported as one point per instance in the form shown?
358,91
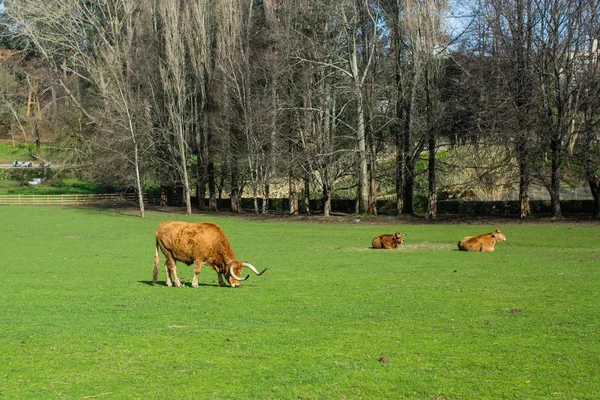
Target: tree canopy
361,99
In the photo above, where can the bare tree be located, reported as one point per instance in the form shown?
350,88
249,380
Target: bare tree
427,46
360,37
96,42
588,150
10,98
173,79
559,39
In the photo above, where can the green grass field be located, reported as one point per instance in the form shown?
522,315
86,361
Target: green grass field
81,319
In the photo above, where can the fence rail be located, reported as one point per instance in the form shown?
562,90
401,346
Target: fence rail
66,199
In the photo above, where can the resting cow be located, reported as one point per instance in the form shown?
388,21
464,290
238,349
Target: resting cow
484,242
197,243
388,241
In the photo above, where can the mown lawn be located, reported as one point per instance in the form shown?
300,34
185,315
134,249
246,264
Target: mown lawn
81,319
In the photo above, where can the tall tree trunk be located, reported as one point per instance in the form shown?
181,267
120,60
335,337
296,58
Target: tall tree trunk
432,192
293,193
201,155
595,189
265,199
399,170
212,187
399,110
236,203
524,174
432,197
363,177
184,175
326,195
408,170
372,209
326,202
255,199
523,99
358,80
555,147
307,190
140,191
372,204
589,156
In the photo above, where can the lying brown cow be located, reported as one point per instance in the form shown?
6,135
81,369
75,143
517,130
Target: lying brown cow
484,242
197,243
388,241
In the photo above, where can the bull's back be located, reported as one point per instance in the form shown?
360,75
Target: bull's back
477,243
384,242
192,241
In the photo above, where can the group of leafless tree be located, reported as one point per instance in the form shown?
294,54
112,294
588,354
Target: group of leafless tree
213,96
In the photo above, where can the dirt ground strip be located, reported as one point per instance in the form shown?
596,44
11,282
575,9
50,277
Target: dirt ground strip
339,218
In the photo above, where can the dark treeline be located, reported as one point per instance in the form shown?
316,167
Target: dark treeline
361,99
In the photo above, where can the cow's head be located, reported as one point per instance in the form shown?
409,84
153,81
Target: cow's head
499,236
232,274
399,237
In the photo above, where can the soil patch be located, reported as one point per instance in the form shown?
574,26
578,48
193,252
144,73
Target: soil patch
340,218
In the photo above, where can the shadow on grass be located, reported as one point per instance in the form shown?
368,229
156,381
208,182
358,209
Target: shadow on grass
164,283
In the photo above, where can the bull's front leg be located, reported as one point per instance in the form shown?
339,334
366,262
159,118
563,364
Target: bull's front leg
221,281
197,270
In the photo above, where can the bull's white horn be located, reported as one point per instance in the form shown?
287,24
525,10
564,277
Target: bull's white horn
254,269
237,278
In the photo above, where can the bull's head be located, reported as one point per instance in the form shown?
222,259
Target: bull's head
498,235
232,274
399,237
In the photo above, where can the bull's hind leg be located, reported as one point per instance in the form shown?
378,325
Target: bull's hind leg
171,270
168,274
197,269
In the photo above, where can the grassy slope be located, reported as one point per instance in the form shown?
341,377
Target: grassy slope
80,317
54,186
21,152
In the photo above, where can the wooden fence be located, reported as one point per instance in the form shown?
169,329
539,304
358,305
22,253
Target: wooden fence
67,199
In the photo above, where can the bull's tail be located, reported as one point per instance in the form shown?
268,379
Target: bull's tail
156,260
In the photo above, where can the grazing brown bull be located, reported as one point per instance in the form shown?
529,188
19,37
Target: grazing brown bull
388,241
484,242
197,243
